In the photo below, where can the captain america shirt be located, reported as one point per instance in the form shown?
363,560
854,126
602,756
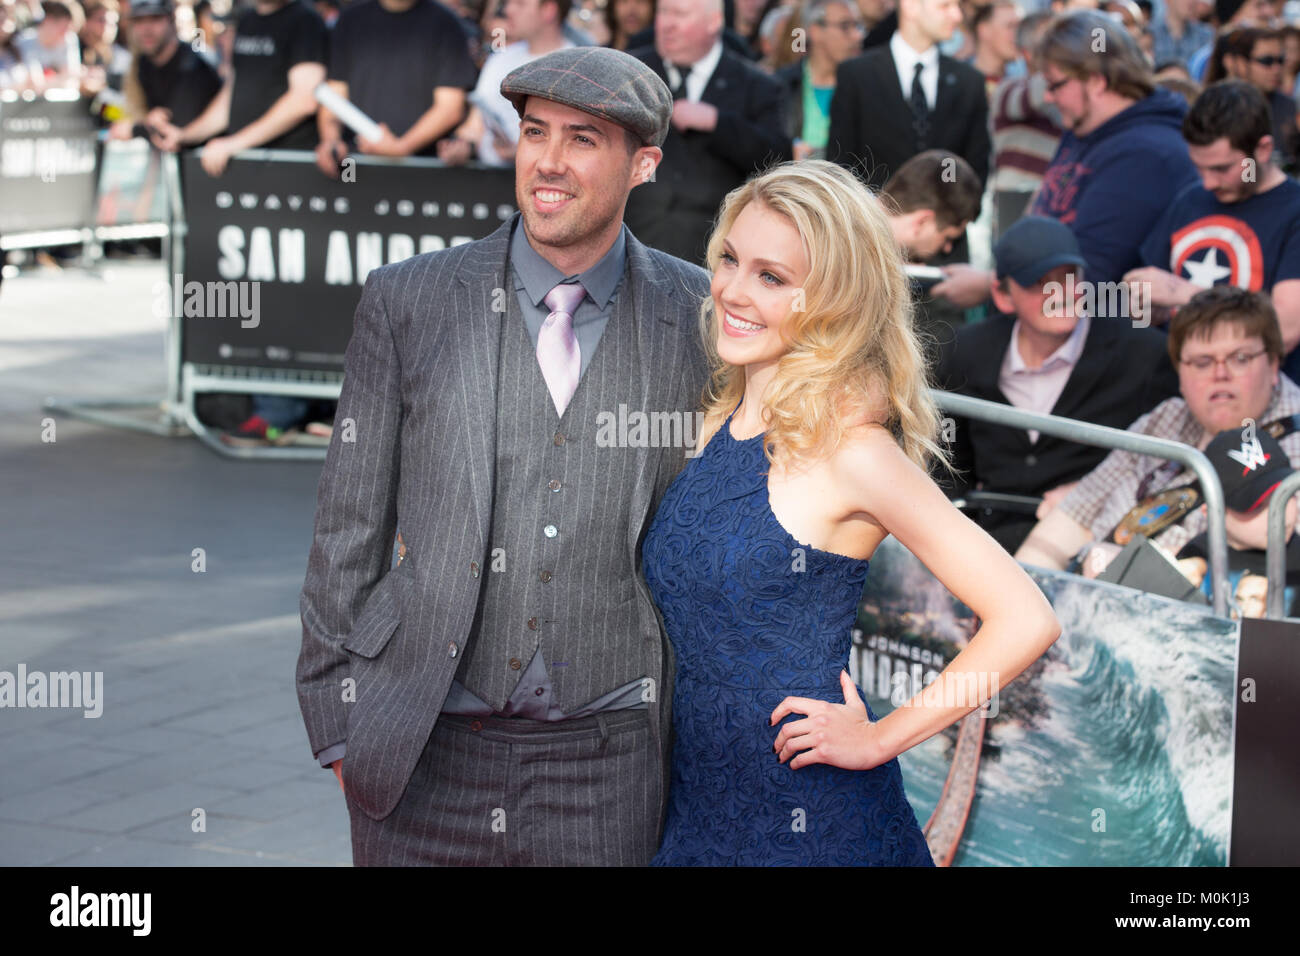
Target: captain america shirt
1253,244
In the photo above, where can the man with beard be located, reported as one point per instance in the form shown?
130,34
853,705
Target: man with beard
1120,161
1240,225
178,83
500,696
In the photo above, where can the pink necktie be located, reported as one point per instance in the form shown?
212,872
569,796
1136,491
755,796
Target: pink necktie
557,349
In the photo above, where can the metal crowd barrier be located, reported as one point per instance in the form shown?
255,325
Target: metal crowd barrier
1106,437
1277,545
162,415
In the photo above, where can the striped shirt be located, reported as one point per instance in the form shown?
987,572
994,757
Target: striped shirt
1024,135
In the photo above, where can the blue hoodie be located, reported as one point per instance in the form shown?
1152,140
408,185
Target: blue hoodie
1112,186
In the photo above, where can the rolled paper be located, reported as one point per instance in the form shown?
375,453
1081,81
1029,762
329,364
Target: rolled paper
923,272
348,114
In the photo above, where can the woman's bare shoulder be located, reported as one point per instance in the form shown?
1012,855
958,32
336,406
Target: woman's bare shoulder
869,456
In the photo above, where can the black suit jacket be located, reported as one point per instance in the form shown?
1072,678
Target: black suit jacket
674,212
871,122
1121,374
791,80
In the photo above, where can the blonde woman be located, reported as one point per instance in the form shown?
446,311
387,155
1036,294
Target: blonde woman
817,429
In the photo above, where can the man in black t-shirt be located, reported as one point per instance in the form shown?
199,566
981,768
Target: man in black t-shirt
406,65
178,84
278,60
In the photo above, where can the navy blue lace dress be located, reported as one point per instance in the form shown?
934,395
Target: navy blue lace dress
749,627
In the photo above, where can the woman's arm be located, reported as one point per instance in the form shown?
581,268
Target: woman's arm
1018,624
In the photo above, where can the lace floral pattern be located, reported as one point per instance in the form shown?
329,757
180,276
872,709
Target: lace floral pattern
756,616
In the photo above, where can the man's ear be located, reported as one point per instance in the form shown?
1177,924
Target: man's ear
921,219
1264,151
1001,299
647,161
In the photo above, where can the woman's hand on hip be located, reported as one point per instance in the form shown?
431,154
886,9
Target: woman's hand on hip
840,735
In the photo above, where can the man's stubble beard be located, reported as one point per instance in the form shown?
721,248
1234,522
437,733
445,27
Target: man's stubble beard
579,227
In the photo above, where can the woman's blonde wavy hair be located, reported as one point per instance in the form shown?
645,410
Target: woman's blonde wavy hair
853,348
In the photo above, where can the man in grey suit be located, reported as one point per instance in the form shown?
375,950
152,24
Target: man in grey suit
502,695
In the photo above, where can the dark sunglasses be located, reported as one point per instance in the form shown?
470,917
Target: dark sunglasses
1268,60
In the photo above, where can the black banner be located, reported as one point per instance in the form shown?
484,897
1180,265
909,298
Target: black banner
1266,789
276,252
47,163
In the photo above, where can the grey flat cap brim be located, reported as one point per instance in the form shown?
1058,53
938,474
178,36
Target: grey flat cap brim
606,83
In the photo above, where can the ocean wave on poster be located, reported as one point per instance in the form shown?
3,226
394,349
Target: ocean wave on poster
1160,673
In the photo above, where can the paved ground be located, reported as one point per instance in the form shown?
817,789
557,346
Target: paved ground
98,530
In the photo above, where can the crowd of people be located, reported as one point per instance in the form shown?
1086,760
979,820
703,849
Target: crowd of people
1105,189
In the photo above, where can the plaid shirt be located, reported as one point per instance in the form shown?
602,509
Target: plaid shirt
1110,490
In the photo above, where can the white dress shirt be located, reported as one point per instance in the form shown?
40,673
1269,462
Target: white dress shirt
701,72
905,58
1038,389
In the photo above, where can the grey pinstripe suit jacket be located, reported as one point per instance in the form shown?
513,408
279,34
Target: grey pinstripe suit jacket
419,384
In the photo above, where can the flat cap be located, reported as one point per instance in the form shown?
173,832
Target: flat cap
606,83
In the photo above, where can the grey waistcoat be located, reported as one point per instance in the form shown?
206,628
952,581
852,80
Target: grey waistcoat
571,593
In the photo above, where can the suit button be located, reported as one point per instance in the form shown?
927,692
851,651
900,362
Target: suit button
538,692
452,649
476,725
554,484
559,438
473,569
545,576
1031,460
550,531
532,624
515,663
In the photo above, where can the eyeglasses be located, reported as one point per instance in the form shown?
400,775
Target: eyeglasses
1268,60
1236,362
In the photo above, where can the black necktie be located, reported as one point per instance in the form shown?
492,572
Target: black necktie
920,110
678,89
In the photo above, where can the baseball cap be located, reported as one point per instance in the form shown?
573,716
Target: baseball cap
152,8
1033,247
1249,468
